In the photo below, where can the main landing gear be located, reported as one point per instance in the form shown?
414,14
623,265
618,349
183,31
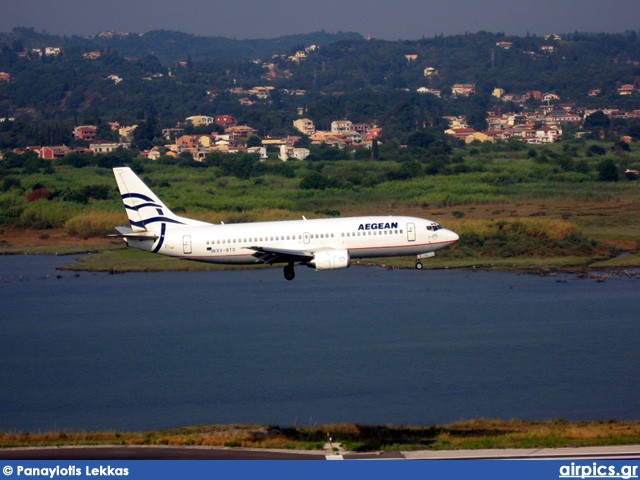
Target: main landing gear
289,272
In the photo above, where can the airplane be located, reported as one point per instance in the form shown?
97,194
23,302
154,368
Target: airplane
323,244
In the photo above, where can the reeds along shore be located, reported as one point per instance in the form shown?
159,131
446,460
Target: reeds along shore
468,435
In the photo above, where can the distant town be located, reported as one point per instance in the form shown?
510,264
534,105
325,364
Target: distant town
535,117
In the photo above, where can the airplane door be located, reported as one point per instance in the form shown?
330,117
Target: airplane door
186,244
411,232
306,237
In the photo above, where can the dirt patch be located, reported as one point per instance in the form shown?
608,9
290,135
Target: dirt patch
16,237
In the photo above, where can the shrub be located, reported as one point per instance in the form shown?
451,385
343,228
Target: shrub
95,223
11,208
607,171
39,194
43,215
10,182
524,238
594,150
317,181
88,192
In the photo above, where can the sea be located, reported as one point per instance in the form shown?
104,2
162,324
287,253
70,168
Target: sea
367,345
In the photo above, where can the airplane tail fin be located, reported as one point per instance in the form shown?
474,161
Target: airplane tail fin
145,210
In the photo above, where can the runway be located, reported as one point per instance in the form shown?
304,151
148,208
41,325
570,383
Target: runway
620,452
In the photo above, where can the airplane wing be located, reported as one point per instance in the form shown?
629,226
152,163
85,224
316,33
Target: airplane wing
277,255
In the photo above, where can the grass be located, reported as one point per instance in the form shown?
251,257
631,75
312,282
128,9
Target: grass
490,263
475,434
510,210
57,250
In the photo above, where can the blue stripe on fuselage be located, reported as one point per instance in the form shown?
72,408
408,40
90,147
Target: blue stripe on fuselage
163,229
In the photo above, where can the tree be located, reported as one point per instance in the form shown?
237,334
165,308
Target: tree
595,150
597,120
607,171
478,120
420,139
254,141
375,150
144,135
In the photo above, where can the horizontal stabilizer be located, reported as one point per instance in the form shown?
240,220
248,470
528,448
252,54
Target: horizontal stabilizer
127,232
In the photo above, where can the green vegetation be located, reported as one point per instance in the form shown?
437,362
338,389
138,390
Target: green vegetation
367,81
474,434
509,206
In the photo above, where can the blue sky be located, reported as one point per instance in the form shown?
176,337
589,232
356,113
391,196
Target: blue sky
385,19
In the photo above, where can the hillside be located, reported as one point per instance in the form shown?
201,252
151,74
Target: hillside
171,75
171,47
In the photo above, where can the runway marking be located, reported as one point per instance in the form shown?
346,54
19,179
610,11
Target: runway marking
335,449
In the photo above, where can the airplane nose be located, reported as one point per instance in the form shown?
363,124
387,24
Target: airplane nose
453,236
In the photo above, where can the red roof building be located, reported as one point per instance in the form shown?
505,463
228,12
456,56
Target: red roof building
224,120
85,132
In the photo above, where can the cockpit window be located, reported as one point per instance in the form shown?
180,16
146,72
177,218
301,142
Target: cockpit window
434,227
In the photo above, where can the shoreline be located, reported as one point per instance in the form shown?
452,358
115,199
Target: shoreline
470,435
111,255
153,263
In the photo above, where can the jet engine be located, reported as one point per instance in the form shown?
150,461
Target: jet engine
330,260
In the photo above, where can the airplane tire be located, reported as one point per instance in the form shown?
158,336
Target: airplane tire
419,265
289,272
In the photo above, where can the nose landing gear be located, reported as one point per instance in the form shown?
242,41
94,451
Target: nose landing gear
421,256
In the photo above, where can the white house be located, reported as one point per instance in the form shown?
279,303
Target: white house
289,152
341,126
200,120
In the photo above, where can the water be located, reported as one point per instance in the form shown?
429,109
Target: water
363,345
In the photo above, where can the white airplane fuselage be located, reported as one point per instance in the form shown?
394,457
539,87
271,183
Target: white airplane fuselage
362,237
